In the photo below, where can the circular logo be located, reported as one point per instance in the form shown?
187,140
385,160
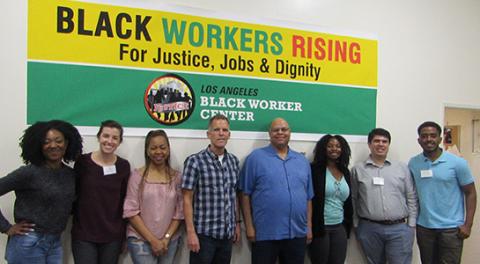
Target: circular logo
169,100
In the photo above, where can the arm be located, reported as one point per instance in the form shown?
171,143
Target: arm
470,204
354,194
309,222
192,238
411,198
237,236
247,217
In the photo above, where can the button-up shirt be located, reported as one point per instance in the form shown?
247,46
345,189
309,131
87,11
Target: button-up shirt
383,192
215,185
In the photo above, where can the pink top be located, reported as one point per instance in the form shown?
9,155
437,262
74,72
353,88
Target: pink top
161,202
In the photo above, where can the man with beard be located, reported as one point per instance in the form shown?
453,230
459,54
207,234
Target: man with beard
445,187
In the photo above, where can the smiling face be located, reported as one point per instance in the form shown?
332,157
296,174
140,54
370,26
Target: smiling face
334,149
109,140
379,147
279,133
429,139
218,133
54,147
158,150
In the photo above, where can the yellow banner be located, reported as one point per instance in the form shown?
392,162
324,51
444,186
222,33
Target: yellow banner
80,32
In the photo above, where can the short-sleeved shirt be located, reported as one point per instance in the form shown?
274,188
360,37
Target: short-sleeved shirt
215,185
441,196
279,191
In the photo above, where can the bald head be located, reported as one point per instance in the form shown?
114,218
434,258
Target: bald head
279,133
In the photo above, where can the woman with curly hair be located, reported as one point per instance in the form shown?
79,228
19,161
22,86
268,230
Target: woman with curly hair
154,205
45,191
98,230
332,205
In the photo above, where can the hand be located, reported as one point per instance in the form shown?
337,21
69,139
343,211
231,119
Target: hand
250,233
22,228
158,247
309,235
192,242
237,235
464,231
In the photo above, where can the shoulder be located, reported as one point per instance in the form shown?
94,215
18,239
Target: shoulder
416,159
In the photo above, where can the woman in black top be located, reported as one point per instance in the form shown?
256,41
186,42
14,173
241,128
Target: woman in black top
45,191
330,165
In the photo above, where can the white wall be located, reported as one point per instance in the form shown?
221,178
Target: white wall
428,56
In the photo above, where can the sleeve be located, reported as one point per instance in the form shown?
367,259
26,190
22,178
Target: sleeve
179,203
354,193
411,197
131,206
190,173
464,175
16,180
247,176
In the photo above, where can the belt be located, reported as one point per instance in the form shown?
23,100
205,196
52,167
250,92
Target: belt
385,222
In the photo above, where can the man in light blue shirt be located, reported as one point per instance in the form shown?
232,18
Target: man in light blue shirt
277,191
444,184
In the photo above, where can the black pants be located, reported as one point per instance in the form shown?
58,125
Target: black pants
288,251
85,252
331,248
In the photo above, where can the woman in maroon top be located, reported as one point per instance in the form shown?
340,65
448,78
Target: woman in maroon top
98,228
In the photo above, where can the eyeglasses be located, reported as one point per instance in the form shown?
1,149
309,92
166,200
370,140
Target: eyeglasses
280,129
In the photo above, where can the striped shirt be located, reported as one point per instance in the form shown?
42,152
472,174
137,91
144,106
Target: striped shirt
215,185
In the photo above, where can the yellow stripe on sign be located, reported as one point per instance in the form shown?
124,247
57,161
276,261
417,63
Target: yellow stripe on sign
79,32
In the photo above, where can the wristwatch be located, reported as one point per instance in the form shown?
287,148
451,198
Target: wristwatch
167,235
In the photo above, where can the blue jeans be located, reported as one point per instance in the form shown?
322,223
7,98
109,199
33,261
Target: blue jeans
34,248
141,252
382,243
212,251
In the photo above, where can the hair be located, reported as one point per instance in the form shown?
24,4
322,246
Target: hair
429,124
112,124
320,153
34,136
168,169
217,117
379,132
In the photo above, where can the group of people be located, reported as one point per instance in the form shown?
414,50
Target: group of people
284,201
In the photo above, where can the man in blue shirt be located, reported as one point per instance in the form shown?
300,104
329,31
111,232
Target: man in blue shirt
277,191
444,184
210,180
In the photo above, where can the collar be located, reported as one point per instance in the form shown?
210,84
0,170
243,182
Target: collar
273,151
213,155
441,158
369,161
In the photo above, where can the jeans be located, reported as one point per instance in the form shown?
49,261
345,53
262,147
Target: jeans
141,252
288,251
331,248
212,251
442,246
85,252
34,248
382,243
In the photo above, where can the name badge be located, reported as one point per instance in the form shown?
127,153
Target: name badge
378,181
426,173
109,170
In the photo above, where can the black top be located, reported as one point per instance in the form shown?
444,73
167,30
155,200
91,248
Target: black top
318,202
44,197
97,215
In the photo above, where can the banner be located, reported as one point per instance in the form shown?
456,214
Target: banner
88,62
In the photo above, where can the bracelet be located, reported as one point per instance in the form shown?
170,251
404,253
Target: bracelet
239,221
